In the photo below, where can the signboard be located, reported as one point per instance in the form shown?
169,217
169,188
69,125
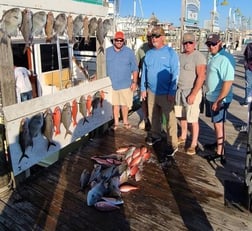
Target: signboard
28,145
97,2
192,11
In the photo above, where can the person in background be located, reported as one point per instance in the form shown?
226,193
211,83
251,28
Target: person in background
140,54
248,73
23,84
122,69
189,92
159,81
219,80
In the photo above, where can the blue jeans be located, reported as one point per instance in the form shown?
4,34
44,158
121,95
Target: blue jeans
26,96
248,84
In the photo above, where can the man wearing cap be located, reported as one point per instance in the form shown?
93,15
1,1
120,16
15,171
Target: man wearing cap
189,92
159,81
219,80
122,69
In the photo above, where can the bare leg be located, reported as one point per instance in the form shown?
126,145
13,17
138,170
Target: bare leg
183,125
219,132
116,109
125,111
195,134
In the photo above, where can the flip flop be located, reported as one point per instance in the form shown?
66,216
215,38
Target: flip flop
127,126
114,127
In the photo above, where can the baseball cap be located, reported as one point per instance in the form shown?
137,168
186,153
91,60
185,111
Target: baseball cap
213,38
188,37
119,35
158,31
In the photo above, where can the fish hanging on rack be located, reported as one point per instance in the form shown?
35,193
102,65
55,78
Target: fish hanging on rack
77,25
26,28
60,24
38,23
49,27
11,21
70,28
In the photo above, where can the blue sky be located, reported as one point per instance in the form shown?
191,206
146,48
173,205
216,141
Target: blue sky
170,10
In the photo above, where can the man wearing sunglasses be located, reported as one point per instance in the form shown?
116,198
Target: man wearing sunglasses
121,66
219,80
159,80
189,92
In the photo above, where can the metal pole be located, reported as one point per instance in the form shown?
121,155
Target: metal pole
182,23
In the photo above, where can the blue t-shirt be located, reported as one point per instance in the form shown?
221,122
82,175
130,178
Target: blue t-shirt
120,65
220,68
160,71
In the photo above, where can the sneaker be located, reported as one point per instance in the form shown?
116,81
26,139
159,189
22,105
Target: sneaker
244,104
191,151
243,128
170,151
210,146
151,140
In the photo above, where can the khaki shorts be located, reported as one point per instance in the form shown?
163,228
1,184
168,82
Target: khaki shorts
191,112
123,97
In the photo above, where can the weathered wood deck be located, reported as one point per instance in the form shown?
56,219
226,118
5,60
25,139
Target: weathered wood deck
186,193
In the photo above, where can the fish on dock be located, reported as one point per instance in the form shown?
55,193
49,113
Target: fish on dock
35,124
57,120
83,109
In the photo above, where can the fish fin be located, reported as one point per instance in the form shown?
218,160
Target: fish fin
23,155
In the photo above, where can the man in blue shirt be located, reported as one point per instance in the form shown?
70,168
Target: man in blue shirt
122,69
219,80
159,81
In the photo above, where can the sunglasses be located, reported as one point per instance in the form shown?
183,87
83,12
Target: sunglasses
211,44
119,40
156,35
185,43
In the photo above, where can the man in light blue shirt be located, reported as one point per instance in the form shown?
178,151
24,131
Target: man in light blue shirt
159,80
219,80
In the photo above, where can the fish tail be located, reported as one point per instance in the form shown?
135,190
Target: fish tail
101,50
49,144
85,120
68,132
23,155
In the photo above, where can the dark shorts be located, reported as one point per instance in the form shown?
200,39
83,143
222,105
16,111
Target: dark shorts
218,116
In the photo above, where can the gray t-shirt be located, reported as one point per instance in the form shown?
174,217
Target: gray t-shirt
188,64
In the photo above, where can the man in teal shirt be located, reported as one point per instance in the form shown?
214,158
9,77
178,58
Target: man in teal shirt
219,80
